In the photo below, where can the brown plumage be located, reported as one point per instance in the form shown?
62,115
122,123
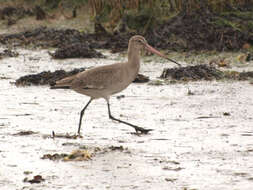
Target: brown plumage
103,81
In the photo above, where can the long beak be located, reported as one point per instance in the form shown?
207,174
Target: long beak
153,50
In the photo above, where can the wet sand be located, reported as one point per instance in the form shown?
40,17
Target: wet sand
201,140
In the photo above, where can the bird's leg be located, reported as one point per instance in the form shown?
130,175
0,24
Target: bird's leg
137,129
81,116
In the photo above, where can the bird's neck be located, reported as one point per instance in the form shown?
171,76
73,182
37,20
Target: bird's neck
133,64
134,58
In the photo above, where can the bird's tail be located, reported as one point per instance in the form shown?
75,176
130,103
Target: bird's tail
63,83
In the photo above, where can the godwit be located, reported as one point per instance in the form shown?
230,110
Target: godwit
104,81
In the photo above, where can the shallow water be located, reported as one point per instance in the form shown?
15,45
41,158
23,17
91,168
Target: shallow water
200,141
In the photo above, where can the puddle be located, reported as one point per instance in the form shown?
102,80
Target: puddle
196,136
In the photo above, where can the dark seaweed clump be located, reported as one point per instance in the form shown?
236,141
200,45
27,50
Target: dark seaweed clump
202,30
203,72
245,75
45,77
76,50
62,38
199,30
196,72
49,78
8,53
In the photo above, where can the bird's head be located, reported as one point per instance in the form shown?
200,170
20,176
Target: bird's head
137,43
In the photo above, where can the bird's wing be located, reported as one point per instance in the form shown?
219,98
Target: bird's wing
99,77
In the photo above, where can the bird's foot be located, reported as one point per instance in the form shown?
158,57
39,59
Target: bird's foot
78,135
142,130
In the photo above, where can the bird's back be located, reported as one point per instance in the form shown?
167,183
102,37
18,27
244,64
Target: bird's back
99,82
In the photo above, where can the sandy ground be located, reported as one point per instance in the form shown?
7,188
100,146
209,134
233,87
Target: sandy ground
200,141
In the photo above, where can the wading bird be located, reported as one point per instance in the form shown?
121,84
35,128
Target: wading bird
104,81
